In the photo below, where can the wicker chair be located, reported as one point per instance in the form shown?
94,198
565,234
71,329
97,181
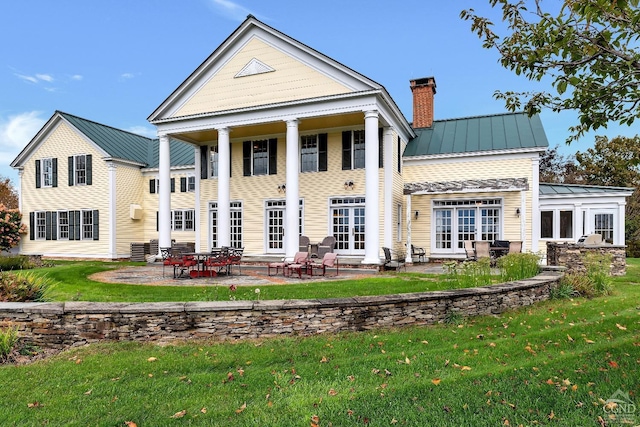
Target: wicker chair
326,246
329,260
303,245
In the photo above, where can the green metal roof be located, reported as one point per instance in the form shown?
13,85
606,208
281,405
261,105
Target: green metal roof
508,131
578,190
130,146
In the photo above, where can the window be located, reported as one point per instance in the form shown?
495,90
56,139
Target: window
399,223
63,225
87,225
260,157
236,224
353,146
80,170
603,225
41,225
213,159
182,220
47,172
460,220
309,153
191,183
556,224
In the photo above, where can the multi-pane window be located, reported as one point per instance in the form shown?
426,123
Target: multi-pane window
490,229
80,169
182,220
260,157
358,149
556,224
443,229
41,225
87,225
191,183
309,153
47,172
213,158
63,225
603,225
460,220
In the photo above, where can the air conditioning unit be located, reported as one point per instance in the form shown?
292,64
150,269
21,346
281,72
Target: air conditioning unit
135,211
590,239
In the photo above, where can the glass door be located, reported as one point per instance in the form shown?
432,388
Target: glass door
348,227
275,230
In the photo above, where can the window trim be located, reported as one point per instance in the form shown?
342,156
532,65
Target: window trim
556,223
185,214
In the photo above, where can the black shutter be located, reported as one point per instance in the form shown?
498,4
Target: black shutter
204,161
380,149
54,166
273,156
89,169
183,184
72,225
47,225
173,185
38,184
157,221
96,225
71,180
346,150
230,162
322,152
77,225
54,225
246,158
152,185
399,155
32,225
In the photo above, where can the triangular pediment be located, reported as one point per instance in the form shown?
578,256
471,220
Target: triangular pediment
257,66
254,67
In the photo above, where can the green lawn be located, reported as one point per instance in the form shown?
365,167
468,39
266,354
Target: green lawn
552,364
70,283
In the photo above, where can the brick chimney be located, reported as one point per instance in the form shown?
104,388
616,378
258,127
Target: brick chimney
423,90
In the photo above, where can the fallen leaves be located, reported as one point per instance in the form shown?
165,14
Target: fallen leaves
152,359
241,408
436,381
179,414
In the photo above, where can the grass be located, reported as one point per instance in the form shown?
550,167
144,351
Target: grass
71,284
552,364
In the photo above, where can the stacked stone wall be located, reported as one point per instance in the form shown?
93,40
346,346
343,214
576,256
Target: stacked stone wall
76,323
572,256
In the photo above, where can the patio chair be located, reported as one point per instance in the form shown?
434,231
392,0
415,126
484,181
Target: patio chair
469,251
166,258
418,253
482,249
217,261
326,246
391,262
182,264
277,265
303,245
235,257
329,260
515,246
300,261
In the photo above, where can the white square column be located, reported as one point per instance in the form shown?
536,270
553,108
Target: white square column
224,179
291,240
372,189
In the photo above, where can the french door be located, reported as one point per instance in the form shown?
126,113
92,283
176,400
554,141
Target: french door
348,225
275,229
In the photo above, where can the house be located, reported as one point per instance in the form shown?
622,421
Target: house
269,139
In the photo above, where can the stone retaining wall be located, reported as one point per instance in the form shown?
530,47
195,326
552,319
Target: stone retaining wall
572,256
76,323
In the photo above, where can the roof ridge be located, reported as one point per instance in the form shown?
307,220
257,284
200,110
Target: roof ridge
480,116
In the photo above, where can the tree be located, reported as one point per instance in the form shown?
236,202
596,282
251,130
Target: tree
589,49
558,169
8,194
10,228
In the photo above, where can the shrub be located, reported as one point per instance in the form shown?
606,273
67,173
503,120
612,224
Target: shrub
23,288
10,228
598,267
564,289
8,341
15,262
518,266
468,274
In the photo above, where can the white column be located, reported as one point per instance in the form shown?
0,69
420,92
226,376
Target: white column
387,145
535,204
164,193
24,217
292,197
196,196
224,179
618,238
408,258
111,170
523,219
372,189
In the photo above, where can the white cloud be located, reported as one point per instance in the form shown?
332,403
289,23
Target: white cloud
44,77
144,131
17,130
230,9
27,78
76,77
127,75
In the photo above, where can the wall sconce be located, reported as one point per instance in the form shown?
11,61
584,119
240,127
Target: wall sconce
348,185
417,214
282,188
517,211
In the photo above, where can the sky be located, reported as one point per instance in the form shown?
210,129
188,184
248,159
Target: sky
115,61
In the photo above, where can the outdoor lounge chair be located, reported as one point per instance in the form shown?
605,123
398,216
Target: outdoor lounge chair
418,253
515,246
326,246
300,261
329,260
391,262
469,250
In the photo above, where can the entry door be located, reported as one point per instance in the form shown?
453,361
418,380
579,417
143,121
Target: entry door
348,229
275,230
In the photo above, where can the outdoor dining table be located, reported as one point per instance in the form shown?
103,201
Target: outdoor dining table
498,251
202,259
